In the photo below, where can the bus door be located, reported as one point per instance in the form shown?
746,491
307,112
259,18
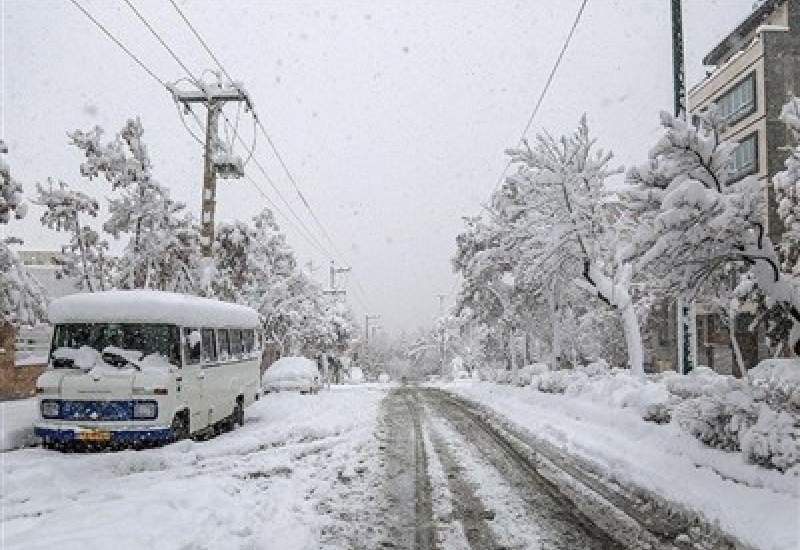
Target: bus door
193,376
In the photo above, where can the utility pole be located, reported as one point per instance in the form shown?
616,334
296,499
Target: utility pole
686,325
218,160
367,319
442,340
678,73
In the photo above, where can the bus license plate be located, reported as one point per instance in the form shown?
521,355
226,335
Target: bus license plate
95,435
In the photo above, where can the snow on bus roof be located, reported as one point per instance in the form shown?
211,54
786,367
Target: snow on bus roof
150,306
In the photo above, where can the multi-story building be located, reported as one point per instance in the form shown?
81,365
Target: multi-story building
751,72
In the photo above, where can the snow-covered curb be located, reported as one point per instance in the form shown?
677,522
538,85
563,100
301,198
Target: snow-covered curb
757,506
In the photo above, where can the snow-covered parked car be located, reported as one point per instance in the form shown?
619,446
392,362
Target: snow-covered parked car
131,367
291,373
356,375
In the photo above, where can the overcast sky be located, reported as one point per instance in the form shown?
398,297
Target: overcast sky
392,115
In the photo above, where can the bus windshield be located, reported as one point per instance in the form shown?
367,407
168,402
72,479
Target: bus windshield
145,338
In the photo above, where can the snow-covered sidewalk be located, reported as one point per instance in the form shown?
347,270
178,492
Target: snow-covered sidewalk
16,423
257,487
760,507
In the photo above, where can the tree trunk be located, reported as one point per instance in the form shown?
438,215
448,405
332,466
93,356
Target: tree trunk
513,355
618,295
737,353
556,343
82,248
633,338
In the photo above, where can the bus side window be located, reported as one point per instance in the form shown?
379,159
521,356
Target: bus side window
191,346
224,344
175,346
209,346
248,341
236,343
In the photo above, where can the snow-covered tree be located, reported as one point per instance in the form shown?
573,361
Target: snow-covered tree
162,248
787,190
22,299
695,218
84,257
560,230
232,269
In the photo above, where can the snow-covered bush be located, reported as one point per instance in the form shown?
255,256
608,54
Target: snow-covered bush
501,376
774,440
526,373
718,419
777,382
621,389
699,382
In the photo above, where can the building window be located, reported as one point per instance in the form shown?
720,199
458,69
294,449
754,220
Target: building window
739,101
745,157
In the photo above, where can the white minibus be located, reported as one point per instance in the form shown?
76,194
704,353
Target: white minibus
132,367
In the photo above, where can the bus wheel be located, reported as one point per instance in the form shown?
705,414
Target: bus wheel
238,412
180,426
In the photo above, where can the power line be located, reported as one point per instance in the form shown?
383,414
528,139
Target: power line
311,239
118,43
161,40
266,135
547,84
271,143
289,206
260,124
297,187
200,39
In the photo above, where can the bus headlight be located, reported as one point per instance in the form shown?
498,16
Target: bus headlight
145,410
50,408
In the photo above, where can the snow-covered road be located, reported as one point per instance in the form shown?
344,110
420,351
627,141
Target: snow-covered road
354,468
282,481
458,480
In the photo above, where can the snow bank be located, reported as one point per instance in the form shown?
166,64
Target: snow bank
150,306
759,417
290,369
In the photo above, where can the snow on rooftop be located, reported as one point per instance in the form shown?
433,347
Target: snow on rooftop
150,306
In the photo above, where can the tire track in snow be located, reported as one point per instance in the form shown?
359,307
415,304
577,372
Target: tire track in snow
449,532
528,512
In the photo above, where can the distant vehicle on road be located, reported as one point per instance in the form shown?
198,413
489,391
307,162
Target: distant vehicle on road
356,375
135,367
292,374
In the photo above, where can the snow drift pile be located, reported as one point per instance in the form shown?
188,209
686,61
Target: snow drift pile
759,416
